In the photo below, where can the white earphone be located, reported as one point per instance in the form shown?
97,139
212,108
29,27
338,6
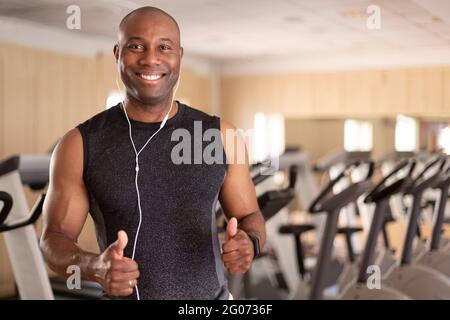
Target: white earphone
137,153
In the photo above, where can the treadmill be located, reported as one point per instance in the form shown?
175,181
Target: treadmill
270,203
17,228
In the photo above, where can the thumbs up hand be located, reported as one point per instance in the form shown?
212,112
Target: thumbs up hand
120,273
238,252
231,228
116,249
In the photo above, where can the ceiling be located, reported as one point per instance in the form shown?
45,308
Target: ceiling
236,30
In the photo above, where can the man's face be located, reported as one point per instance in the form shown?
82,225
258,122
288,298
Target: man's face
148,56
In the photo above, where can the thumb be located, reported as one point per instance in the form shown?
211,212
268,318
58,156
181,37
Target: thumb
119,245
231,228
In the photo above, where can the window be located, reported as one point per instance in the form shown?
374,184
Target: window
444,139
114,98
268,136
405,134
358,135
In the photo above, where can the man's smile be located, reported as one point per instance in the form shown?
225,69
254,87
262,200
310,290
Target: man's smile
150,77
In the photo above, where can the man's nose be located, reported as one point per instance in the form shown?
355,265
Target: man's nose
150,57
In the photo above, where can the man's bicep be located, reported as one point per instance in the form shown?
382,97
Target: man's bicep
237,196
66,205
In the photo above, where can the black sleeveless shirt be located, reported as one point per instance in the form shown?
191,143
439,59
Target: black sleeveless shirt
178,251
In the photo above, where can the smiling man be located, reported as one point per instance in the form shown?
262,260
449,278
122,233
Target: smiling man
155,220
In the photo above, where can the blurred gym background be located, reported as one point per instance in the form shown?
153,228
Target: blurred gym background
322,75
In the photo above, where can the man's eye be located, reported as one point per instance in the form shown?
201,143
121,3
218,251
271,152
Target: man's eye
135,46
164,47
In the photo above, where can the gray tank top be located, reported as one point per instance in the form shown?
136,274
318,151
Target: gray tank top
178,251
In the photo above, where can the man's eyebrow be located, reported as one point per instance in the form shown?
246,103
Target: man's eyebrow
134,38
140,38
166,39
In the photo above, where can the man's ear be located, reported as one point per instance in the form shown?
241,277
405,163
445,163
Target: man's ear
116,52
181,52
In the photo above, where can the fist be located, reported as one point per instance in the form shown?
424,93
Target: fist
237,250
120,273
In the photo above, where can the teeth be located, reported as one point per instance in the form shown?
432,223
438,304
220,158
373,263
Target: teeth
152,77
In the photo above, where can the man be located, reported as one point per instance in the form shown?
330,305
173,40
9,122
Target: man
155,219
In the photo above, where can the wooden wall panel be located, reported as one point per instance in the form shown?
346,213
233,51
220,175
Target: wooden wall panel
446,91
425,91
390,94
416,102
297,97
195,89
355,93
316,136
107,79
80,91
362,93
327,92
240,100
19,103
47,94
49,100
434,90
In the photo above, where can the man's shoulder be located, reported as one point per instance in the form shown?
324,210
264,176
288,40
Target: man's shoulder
98,120
197,114
200,115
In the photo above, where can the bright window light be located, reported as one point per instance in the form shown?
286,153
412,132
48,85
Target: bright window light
114,98
405,134
444,139
276,135
260,150
358,135
268,140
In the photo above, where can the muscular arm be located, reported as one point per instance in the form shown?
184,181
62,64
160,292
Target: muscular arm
65,211
237,196
66,208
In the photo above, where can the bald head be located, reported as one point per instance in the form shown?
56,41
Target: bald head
148,12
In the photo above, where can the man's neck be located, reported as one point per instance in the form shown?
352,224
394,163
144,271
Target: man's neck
149,113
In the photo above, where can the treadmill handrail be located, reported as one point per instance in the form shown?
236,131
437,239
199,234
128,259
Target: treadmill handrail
260,177
444,181
36,213
315,208
270,202
329,160
9,165
419,183
429,166
381,191
7,205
